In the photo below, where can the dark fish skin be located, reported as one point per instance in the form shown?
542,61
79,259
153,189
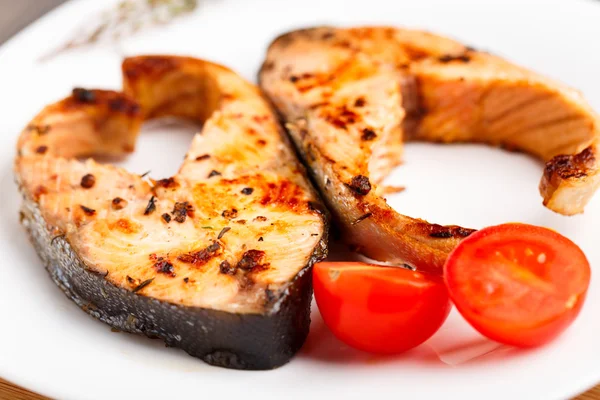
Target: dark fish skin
146,256
239,341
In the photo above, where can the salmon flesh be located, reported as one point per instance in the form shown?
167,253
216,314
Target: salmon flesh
351,97
214,260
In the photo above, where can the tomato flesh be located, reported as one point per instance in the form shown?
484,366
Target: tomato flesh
518,284
377,309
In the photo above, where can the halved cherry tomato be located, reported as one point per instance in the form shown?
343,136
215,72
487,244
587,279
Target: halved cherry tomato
518,284
379,309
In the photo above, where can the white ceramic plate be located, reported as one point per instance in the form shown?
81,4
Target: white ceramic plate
48,345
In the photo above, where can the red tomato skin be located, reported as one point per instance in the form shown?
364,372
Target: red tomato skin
380,310
524,337
527,333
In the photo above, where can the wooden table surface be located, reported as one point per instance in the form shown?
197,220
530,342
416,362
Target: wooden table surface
15,15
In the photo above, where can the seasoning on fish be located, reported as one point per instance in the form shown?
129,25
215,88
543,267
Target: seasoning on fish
116,245
350,97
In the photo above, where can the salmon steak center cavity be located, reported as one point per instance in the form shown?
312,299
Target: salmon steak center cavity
351,97
214,260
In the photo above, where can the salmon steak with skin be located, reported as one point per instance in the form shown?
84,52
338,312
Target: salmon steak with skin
214,260
351,97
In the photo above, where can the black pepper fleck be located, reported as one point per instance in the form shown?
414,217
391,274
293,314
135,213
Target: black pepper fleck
88,181
181,210
226,268
230,214
41,149
118,203
368,134
360,185
164,267
84,95
87,210
360,102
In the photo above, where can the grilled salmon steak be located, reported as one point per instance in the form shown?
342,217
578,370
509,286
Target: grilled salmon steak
214,260
351,97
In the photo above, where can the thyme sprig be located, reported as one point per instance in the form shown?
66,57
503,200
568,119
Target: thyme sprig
127,18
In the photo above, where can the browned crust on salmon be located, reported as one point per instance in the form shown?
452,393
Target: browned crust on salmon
233,233
366,90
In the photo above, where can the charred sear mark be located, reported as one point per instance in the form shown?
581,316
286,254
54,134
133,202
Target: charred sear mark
118,203
181,210
260,218
88,211
362,218
41,149
168,183
203,157
296,78
247,191
446,232
39,191
252,261
223,232
186,279
340,117
151,207
360,102
201,257
261,239
241,221
84,95
166,217
214,173
122,105
142,285
88,181
124,225
163,266
360,185
368,134
39,129
259,119
149,66
130,280
327,35
230,214
571,166
446,58
226,268
283,193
